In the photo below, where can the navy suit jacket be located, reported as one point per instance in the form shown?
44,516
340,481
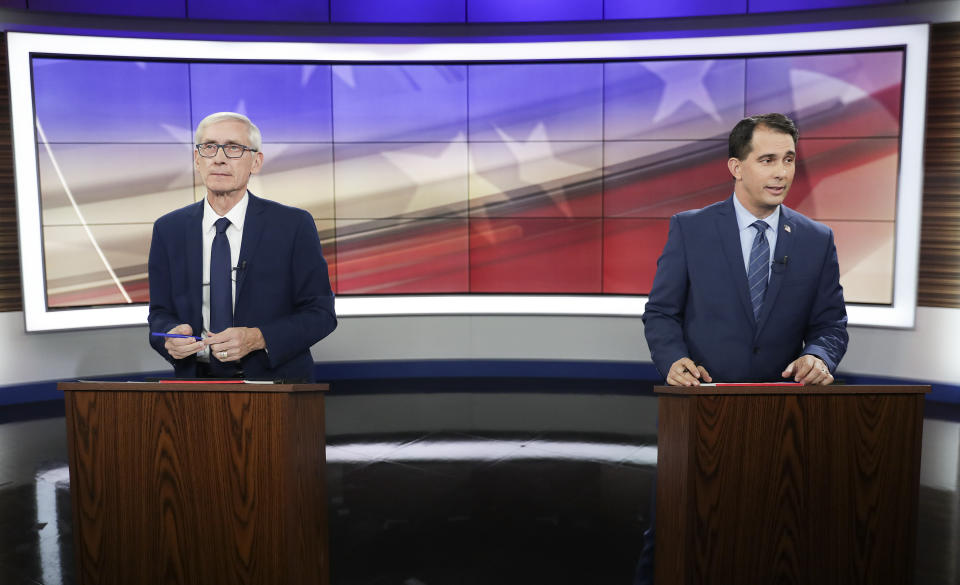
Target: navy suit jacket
699,306
282,286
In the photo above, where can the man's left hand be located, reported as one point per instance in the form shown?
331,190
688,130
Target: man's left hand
809,370
233,343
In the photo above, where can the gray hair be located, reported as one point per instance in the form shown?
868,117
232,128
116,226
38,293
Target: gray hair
252,130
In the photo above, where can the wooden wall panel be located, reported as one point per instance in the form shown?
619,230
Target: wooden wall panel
10,292
939,283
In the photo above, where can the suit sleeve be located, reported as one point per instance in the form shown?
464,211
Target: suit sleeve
162,317
313,316
663,315
826,335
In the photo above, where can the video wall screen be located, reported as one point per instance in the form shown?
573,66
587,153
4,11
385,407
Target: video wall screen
458,177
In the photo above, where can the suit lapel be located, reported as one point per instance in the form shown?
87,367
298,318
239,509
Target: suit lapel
194,255
729,234
252,230
785,239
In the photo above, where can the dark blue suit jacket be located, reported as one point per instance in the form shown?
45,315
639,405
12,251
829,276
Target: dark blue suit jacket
699,306
283,287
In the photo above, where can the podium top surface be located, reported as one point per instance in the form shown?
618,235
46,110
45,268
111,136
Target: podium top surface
191,386
835,389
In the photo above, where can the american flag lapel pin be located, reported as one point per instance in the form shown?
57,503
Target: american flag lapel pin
786,228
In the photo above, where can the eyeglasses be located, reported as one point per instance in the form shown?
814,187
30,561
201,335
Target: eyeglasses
209,150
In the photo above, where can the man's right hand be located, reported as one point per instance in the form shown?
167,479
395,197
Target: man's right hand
684,372
181,347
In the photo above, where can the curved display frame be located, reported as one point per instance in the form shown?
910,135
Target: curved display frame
22,46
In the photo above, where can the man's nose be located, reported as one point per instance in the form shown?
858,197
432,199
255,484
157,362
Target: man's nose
780,169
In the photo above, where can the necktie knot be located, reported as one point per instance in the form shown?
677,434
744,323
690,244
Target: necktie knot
759,224
222,224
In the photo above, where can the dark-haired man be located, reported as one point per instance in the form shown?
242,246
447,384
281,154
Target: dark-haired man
747,290
237,283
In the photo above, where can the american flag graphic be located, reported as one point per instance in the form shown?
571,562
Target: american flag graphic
463,178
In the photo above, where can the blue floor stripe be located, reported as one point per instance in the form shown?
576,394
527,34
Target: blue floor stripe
638,375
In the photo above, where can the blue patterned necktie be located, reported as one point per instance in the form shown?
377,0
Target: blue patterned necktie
758,267
221,286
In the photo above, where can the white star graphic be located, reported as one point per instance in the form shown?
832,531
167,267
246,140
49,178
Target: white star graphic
683,82
178,133
815,90
306,72
535,162
345,73
538,149
430,175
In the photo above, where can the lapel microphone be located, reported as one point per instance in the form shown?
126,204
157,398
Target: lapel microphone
779,264
240,271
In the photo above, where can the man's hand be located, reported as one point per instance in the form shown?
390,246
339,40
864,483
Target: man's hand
181,347
235,342
684,372
809,370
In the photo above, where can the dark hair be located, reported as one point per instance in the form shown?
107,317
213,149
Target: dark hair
742,133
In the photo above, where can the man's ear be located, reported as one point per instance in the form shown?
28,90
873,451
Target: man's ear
733,163
257,163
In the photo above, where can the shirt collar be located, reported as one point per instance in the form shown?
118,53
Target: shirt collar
236,215
745,219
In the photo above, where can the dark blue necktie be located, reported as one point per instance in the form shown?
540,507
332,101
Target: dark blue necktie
758,269
221,286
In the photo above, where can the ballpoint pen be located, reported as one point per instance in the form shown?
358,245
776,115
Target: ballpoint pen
177,335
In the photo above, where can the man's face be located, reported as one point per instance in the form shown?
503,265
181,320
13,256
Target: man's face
765,175
222,175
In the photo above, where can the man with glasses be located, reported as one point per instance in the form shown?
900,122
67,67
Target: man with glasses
238,284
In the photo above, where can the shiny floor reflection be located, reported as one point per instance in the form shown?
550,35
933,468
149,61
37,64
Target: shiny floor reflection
451,487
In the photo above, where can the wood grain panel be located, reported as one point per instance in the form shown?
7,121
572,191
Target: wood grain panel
180,487
790,487
306,484
749,502
674,531
939,275
866,453
10,292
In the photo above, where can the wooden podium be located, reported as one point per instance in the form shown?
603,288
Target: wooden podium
197,483
788,484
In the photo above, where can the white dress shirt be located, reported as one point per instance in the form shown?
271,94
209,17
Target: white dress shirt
234,236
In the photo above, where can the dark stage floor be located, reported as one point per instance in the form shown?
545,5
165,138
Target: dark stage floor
441,483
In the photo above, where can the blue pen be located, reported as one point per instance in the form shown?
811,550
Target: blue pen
177,335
